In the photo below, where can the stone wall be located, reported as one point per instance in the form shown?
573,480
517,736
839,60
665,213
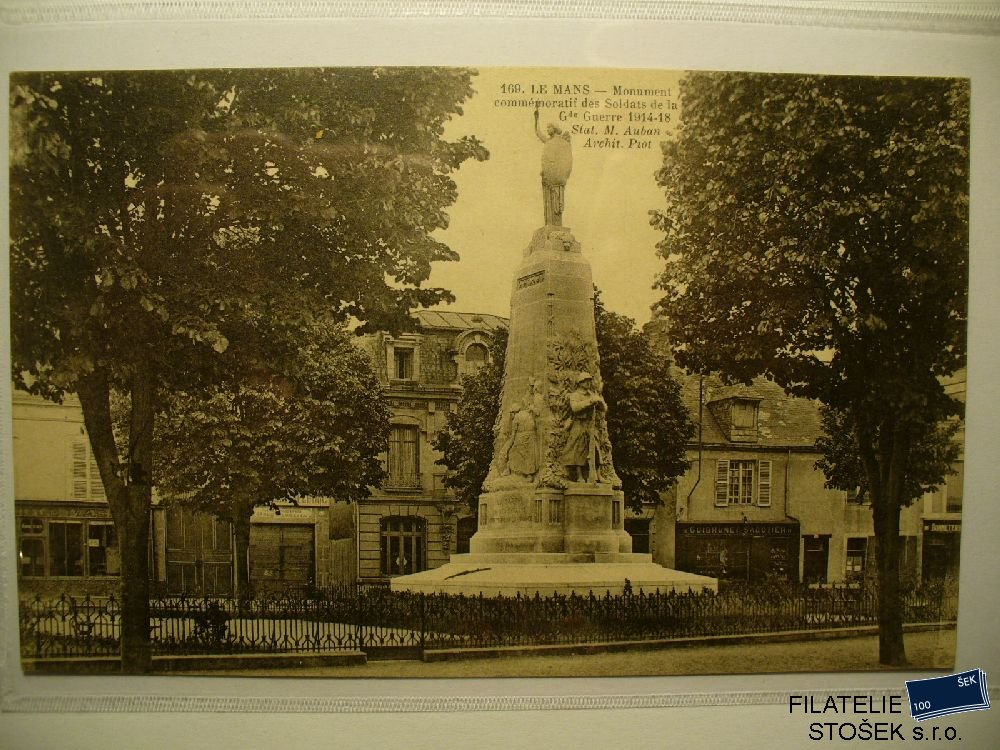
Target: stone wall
437,359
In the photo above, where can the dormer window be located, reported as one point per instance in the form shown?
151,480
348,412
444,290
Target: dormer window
738,417
744,414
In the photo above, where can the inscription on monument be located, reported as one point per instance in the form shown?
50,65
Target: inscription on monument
531,279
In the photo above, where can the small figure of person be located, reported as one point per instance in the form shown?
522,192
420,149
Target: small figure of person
557,164
582,454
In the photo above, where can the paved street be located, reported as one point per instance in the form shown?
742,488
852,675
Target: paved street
930,650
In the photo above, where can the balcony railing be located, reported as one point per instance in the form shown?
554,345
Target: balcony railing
403,482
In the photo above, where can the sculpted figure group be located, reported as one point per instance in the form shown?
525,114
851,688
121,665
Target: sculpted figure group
581,457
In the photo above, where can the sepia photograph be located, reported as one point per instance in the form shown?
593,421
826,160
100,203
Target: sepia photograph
422,372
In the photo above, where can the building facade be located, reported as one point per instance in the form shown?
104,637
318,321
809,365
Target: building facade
413,522
754,506
66,540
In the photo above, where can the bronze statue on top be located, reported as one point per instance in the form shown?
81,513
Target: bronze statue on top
557,164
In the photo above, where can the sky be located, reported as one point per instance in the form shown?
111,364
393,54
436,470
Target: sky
608,197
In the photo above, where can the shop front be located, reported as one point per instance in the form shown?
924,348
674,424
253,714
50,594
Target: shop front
740,551
941,548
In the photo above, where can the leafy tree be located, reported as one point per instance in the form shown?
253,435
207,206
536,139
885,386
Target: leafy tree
314,428
466,441
163,222
816,234
648,424
933,453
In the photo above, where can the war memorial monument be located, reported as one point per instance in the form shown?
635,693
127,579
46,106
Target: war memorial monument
551,517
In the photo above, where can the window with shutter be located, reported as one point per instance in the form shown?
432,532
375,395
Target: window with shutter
96,485
85,478
764,483
404,456
722,482
742,481
79,485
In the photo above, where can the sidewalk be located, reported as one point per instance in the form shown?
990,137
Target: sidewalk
926,650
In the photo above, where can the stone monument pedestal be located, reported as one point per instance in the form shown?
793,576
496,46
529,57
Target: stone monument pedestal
551,541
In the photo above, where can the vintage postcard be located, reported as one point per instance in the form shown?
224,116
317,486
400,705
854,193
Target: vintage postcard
379,371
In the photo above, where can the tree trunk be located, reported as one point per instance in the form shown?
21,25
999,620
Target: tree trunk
133,535
891,651
129,501
241,547
883,456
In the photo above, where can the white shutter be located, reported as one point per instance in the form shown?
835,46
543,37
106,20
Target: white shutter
764,483
722,483
78,471
96,485
85,479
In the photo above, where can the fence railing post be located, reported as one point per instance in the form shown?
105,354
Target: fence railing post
359,617
423,623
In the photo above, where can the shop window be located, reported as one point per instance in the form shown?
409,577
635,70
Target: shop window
102,550
857,551
742,482
31,551
404,456
32,557
65,548
403,545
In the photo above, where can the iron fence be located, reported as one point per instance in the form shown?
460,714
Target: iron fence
381,622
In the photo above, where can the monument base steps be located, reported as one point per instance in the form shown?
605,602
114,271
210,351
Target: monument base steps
546,574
